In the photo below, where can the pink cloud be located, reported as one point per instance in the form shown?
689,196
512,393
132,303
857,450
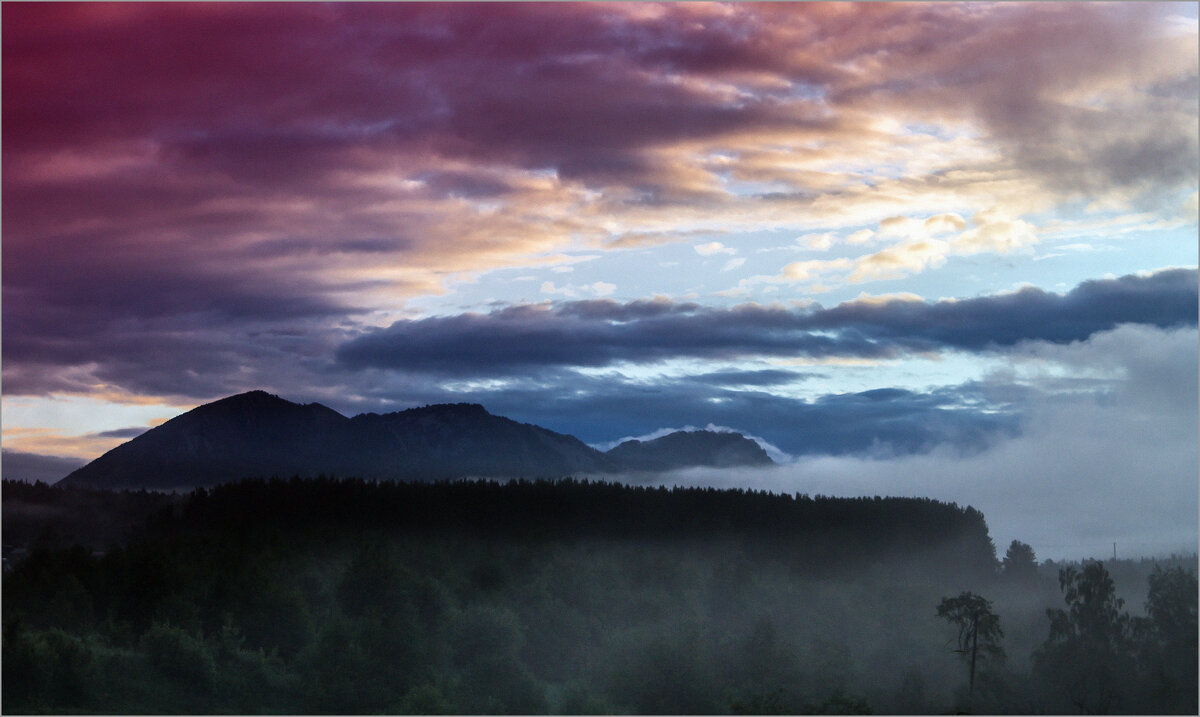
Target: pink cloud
198,175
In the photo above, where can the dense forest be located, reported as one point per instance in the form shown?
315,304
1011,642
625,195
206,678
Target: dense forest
346,596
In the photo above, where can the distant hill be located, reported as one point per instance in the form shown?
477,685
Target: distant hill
690,448
33,467
257,434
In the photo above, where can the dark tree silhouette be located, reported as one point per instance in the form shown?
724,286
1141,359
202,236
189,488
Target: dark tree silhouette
1168,642
1019,562
976,624
1088,657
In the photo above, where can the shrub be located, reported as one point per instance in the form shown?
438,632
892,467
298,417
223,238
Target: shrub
179,656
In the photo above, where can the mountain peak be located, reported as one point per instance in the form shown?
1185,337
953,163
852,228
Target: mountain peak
256,396
259,400
251,400
245,435
259,434
719,449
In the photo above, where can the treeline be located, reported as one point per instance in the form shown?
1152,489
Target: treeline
55,515
320,596
821,533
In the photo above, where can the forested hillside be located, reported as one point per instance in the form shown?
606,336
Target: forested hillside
319,596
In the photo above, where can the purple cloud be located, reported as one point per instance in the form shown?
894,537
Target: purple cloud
602,332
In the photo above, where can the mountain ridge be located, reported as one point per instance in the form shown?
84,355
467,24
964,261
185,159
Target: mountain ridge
717,449
259,434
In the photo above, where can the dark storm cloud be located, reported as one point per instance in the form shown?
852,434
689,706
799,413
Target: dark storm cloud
579,88
601,333
179,176
1165,299
522,337
172,328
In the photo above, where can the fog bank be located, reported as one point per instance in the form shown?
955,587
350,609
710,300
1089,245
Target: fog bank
1109,455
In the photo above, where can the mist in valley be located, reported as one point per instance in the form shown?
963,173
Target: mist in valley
317,596
1085,469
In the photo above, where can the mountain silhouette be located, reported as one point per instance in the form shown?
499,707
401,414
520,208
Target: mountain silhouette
690,448
250,434
463,439
257,434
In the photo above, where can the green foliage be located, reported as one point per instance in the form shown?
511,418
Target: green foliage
44,671
499,685
486,643
337,675
1094,616
766,663
976,622
911,698
668,674
579,699
1171,606
178,655
760,703
979,631
425,699
372,581
249,681
1168,643
349,597
484,632
1019,562
1088,658
840,703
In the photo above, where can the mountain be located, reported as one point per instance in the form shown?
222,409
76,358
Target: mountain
463,439
257,434
250,434
690,448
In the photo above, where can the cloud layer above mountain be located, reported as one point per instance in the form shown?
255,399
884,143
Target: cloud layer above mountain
195,192
603,332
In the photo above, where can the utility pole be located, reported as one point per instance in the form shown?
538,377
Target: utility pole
1114,550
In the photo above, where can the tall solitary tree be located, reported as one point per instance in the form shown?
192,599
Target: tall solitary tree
978,630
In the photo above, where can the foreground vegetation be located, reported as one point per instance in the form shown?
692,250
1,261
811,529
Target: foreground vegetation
324,596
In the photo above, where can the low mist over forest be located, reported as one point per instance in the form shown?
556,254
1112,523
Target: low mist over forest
345,596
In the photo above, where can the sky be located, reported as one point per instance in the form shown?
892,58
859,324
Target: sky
944,249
